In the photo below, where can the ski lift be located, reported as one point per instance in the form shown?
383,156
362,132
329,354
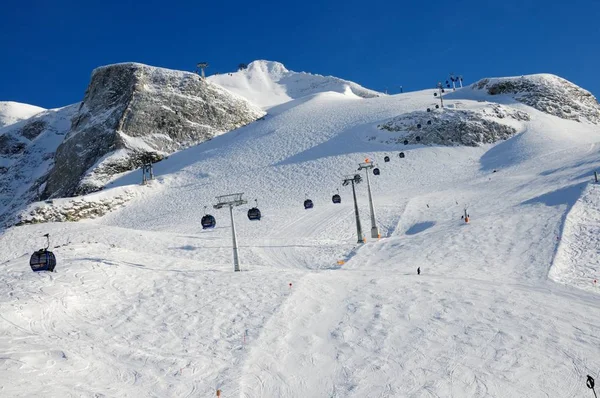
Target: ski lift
336,198
405,142
401,155
376,171
43,259
419,125
437,106
428,109
429,122
386,159
254,213
208,221
308,204
443,91
418,138
435,94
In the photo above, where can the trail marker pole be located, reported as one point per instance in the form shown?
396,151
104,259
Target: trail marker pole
352,180
368,166
231,200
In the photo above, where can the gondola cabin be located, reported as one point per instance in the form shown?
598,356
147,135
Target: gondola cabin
405,142
418,138
336,199
419,125
208,221
429,122
401,155
254,214
386,159
376,171
42,260
308,204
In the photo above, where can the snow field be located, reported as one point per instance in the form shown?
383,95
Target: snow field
145,303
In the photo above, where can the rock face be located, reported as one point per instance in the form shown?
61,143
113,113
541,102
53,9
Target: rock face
132,113
455,126
27,155
548,93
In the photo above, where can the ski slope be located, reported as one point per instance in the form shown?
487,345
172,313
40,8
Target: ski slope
145,303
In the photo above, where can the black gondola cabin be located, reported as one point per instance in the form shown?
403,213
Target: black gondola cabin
42,260
308,204
208,221
336,199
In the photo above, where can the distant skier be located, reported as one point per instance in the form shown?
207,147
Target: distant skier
419,271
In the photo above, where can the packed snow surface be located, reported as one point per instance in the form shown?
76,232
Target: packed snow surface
145,303
13,112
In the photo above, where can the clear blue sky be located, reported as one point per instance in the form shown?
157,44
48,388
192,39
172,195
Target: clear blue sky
49,48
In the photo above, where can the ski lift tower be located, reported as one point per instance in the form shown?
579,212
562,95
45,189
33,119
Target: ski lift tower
355,179
231,200
201,66
439,93
368,165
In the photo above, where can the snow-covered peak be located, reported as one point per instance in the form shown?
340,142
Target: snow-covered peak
270,83
13,112
272,68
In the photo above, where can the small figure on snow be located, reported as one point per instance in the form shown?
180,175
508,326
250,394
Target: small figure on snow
419,271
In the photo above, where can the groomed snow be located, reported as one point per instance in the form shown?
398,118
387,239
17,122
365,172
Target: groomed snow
146,303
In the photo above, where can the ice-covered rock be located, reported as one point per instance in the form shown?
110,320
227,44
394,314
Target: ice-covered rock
132,113
548,93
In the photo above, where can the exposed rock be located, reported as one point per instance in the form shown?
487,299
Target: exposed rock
27,154
71,210
131,112
547,93
454,127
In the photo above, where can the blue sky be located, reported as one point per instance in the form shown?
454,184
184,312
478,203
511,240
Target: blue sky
50,48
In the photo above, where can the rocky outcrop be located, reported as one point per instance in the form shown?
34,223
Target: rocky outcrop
133,113
71,209
27,155
548,93
452,127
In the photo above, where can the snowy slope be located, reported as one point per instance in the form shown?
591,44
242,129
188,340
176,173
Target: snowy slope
12,112
269,83
145,303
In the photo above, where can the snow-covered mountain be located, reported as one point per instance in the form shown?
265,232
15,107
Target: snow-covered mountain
145,302
12,112
269,83
133,113
27,154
